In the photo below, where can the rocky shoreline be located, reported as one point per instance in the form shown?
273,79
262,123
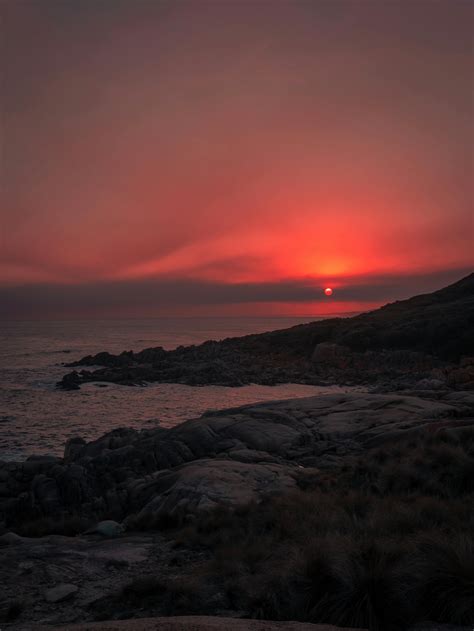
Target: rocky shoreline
158,479
339,508
230,457
427,337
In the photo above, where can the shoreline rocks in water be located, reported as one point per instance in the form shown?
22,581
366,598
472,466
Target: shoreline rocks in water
426,337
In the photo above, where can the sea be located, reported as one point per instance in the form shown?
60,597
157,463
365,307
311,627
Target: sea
36,418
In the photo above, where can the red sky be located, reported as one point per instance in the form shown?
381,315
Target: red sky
250,151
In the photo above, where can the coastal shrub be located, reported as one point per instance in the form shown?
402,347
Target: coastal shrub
446,578
440,464
340,581
382,542
164,596
372,589
11,610
336,580
391,566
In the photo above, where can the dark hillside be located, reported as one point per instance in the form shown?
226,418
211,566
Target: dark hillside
440,323
406,336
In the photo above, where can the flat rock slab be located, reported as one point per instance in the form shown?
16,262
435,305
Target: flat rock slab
60,576
198,623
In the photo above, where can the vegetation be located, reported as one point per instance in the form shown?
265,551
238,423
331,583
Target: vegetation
382,544
10,610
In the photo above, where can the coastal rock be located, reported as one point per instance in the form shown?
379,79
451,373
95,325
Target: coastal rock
160,477
56,579
71,381
60,592
107,528
10,539
205,484
73,448
45,493
406,340
430,384
39,464
202,623
226,457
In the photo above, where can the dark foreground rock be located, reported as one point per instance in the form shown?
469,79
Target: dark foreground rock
56,580
102,576
152,479
227,458
427,337
203,623
207,623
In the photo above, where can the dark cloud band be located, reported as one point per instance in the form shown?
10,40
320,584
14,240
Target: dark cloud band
49,300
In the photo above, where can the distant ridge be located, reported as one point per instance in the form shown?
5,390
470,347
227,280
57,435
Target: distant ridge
405,337
440,323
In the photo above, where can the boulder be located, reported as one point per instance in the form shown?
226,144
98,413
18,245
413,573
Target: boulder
73,448
10,539
45,493
205,484
60,592
71,381
107,528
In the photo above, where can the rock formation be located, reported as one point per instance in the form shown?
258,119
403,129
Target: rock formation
229,457
424,337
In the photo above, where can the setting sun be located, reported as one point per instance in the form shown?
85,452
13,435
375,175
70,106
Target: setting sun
328,291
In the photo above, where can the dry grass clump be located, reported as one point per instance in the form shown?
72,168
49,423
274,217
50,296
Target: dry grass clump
386,542
446,579
440,464
164,596
10,610
369,587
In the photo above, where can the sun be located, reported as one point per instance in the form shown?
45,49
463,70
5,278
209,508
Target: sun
328,291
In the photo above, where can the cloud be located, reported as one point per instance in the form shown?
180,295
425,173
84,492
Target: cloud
156,296
231,146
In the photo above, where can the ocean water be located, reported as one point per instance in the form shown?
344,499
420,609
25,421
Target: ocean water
37,418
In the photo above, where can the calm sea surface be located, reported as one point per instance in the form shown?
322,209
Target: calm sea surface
36,418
